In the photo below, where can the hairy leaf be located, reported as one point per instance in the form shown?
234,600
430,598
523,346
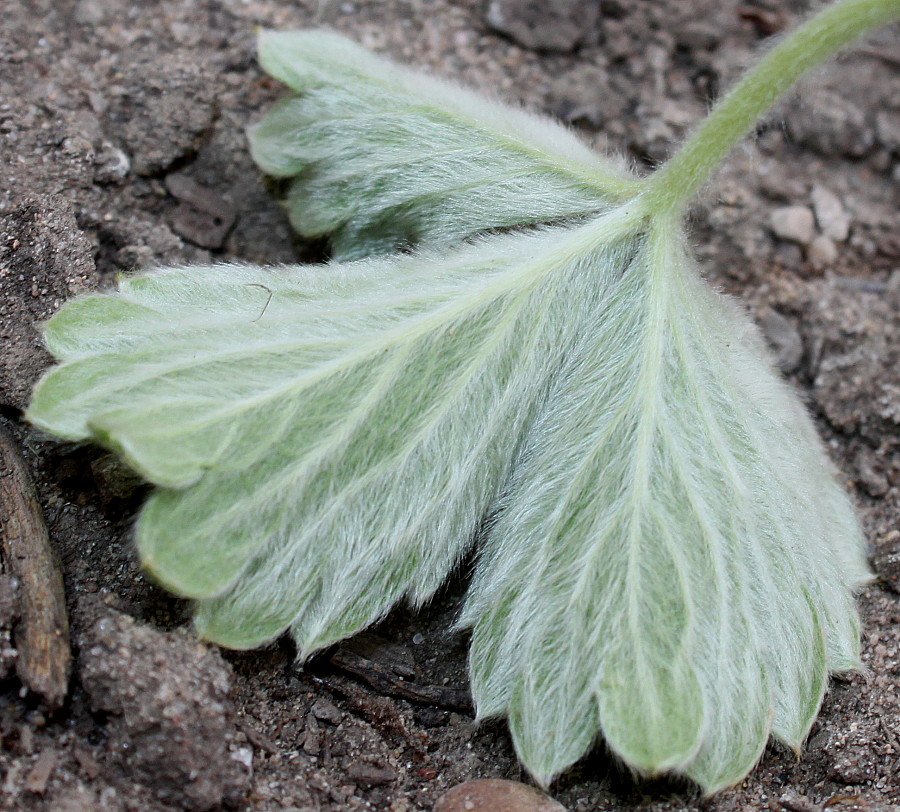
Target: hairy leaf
385,157
665,557
670,561
673,563
377,405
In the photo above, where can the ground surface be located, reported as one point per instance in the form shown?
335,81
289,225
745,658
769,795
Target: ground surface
122,146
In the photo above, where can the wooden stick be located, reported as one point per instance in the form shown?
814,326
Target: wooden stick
42,633
382,680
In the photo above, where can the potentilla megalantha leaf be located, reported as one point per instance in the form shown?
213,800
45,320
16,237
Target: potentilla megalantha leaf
673,563
668,560
299,408
384,157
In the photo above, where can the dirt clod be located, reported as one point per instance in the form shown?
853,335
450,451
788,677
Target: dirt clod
886,561
44,259
170,713
857,369
165,107
557,26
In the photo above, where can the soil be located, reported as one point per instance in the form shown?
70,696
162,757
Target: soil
123,146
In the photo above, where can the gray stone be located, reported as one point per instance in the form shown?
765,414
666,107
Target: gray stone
326,711
822,252
111,165
833,220
887,129
794,224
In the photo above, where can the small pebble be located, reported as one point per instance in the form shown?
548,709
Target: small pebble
495,795
111,165
326,711
833,220
822,252
369,775
794,224
39,776
887,129
312,739
794,802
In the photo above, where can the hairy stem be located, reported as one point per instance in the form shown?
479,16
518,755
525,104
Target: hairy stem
675,183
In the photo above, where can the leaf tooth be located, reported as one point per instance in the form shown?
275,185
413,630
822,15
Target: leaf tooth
271,143
653,709
552,724
803,679
216,620
92,324
492,663
739,728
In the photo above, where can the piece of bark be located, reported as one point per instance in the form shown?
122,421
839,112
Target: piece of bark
37,780
384,681
42,633
259,740
495,795
379,710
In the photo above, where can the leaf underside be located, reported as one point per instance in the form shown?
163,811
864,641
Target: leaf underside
669,561
672,534
383,157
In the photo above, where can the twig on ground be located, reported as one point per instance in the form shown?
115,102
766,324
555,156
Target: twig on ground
42,633
384,681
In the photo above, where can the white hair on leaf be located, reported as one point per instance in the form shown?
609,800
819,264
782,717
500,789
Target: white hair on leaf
669,561
384,157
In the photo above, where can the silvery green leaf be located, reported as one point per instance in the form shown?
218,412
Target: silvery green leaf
673,565
384,157
667,560
669,563
327,440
